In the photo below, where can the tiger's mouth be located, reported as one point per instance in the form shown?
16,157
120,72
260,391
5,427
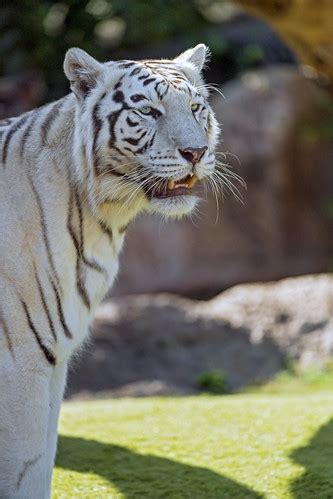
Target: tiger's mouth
172,188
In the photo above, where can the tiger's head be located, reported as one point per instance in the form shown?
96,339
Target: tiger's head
145,133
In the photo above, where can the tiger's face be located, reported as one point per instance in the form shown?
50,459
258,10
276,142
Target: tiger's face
147,131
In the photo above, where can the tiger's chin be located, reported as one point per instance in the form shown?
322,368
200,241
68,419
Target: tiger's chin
173,207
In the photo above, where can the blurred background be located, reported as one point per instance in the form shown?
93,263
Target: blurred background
272,61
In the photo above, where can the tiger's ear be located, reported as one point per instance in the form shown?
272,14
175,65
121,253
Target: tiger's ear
82,70
196,56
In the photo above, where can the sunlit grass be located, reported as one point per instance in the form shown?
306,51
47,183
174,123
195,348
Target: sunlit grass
296,381
241,446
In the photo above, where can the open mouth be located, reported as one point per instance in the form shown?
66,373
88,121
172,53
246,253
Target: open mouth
173,188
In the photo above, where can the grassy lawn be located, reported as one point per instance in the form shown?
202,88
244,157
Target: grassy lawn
235,446
294,382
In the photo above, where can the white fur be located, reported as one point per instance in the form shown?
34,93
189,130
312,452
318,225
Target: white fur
54,163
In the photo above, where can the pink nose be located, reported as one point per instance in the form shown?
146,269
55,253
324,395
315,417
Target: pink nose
193,155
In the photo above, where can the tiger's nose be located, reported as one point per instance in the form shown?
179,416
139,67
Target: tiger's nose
193,155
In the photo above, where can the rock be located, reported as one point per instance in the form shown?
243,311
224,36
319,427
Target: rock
148,388
161,344
282,229
295,314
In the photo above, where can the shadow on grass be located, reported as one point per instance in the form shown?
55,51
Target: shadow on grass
317,459
147,476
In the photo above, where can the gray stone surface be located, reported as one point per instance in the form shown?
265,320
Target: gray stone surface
160,344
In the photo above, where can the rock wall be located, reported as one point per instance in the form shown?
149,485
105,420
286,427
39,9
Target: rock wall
160,344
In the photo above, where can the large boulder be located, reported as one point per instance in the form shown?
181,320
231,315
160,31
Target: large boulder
281,229
163,343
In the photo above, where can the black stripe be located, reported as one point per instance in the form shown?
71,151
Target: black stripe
90,263
135,71
147,144
106,229
60,310
26,466
44,231
9,135
130,122
150,143
159,92
113,117
78,245
118,84
119,151
48,355
150,80
126,65
7,334
97,124
143,148
156,87
50,117
166,91
79,285
134,142
46,308
144,77
118,96
138,97
123,229
27,132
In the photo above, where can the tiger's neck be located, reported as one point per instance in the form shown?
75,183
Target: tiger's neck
68,248
83,172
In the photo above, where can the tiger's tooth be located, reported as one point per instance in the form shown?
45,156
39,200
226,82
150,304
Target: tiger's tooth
192,181
171,185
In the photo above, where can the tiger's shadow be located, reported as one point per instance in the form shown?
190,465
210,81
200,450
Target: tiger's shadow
136,475
317,460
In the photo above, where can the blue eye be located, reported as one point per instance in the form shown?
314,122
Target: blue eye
150,111
147,110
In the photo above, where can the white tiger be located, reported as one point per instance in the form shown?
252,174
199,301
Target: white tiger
132,136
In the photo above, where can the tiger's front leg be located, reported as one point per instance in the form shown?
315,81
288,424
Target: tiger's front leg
58,383
27,428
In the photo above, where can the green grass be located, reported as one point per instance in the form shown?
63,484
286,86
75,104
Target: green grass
295,381
240,446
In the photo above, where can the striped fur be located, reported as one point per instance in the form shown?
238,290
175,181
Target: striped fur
74,174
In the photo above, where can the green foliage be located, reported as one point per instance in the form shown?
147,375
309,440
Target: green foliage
250,56
239,446
37,33
213,382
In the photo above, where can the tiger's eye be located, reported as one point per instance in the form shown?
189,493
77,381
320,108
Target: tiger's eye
195,107
146,110
150,111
